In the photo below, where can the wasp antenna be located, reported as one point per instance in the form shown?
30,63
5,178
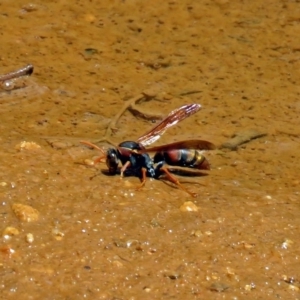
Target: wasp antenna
99,159
93,146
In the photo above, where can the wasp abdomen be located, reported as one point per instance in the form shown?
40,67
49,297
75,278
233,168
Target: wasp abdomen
184,158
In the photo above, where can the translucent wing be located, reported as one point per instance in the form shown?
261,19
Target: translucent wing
172,119
188,144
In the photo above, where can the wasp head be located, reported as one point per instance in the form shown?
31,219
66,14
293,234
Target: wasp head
112,160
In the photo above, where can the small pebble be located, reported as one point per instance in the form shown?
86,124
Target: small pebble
27,146
189,206
89,162
249,287
197,233
151,92
25,212
218,287
10,231
29,238
7,250
293,287
247,245
58,235
117,264
208,232
287,244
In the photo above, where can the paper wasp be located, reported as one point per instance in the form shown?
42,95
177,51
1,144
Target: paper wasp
135,159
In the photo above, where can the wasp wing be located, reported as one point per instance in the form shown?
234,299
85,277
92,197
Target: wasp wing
188,144
172,119
186,171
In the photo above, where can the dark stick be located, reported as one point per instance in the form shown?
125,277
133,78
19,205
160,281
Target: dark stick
27,70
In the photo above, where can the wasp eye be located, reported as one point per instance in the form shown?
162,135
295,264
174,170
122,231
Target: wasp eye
112,161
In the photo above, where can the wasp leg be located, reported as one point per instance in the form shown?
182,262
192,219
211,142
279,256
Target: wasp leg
143,179
124,167
173,179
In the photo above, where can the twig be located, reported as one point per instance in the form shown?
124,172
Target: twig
138,112
293,134
241,138
113,124
27,70
112,127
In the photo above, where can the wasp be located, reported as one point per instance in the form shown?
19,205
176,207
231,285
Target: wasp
135,159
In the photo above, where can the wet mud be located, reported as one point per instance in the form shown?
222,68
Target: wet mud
106,72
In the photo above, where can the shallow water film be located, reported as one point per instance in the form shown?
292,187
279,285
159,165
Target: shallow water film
107,72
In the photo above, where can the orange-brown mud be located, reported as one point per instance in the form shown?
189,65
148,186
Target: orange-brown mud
70,231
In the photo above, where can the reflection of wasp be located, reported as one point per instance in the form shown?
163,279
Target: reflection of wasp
135,159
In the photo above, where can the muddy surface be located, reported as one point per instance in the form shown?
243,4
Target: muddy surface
69,231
